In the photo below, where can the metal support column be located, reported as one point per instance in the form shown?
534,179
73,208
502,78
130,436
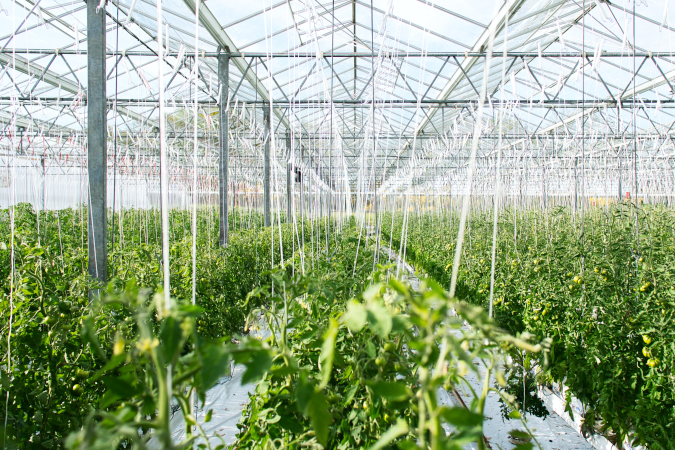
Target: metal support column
223,142
267,201
302,177
289,179
97,142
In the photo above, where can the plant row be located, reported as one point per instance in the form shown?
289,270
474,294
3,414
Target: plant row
53,338
600,285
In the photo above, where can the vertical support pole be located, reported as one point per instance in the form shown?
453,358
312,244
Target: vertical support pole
543,184
576,185
289,179
223,142
619,172
97,142
302,177
267,201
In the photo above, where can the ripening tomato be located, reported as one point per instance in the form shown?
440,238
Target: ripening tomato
78,390
653,362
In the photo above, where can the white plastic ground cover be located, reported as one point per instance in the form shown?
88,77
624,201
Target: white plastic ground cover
227,399
555,401
552,433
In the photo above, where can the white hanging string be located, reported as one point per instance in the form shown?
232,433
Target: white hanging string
164,165
472,162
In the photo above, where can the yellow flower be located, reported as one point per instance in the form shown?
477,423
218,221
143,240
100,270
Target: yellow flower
147,344
118,348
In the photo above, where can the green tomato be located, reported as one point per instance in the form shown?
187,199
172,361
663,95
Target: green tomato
647,340
49,320
78,390
389,347
380,361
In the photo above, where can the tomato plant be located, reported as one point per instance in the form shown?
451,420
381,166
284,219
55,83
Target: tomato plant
601,286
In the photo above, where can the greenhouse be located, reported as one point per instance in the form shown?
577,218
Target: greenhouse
337,224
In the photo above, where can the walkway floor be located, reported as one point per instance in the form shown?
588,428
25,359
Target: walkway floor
551,433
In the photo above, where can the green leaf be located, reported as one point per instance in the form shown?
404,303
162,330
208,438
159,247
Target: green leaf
121,386
391,391
303,392
398,286
328,352
372,292
515,414
171,336
312,403
520,434
89,336
283,370
108,399
192,311
355,316
379,319
461,417
351,392
260,362
435,288
216,364
400,428
407,445
319,416
400,323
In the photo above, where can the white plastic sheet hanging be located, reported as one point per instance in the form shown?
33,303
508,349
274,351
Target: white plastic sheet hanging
166,36
145,81
598,53
560,34
179,58
41,19
126,68
625,42
130,13
77,38
598,4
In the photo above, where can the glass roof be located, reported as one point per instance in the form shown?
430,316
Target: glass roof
365,90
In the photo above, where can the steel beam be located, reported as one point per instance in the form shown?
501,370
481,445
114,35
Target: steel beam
54,79
223,142
209,21
267,201
510,8
97,143
328,55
